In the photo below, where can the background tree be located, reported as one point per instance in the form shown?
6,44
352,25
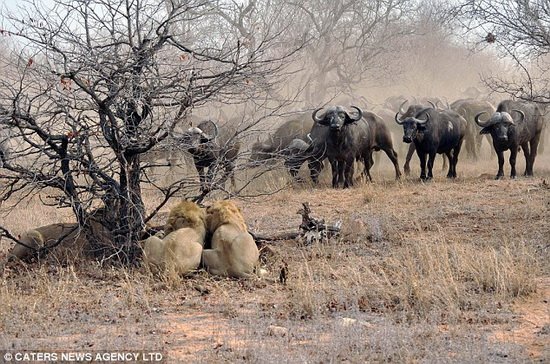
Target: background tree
518,30
349,41
95,84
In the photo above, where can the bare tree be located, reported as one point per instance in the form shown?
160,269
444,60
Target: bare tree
347,41
95,84
515,29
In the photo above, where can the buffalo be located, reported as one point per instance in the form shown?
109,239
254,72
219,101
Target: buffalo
343,139
288,142
434,131
468,109
213,149
511,133
395,130
411,111
545,134
315,152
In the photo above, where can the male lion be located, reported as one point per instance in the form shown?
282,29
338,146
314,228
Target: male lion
234,252
179,251
186,214
44,238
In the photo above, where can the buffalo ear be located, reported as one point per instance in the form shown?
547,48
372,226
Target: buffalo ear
349,121
420,126
323,121
485,131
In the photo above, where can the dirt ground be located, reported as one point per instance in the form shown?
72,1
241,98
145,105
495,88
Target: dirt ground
444,271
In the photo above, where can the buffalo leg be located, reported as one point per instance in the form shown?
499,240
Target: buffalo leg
453,160
526,154
500,173
202,179
534,143
444,166
392,155
293,167
348,170
368,162
431,165
229,171
334,167
293,171
410,152
341,173
422,157
513,156
450,158
315,167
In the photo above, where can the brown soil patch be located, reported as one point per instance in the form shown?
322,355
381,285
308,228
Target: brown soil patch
532,325
189,334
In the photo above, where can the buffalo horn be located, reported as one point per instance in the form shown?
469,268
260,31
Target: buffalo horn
480,123
314,115
359,113
400,122
432,104
216,130
521,113
422,112
401,107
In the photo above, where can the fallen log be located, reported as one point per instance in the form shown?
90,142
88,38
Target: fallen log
310,230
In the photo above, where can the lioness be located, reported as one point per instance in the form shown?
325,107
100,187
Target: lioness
234,252
44,238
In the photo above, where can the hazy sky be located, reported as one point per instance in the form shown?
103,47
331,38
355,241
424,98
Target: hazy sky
10,3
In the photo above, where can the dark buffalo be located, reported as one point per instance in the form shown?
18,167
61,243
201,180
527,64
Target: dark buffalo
412,110
213,149
288,142
315,154
344,139
545,134
468,109
343,142
511,133
380,138
395,130
434,131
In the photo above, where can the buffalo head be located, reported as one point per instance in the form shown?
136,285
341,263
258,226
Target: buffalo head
499,124
336,117
413,126
205,132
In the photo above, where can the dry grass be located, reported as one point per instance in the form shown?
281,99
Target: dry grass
422,272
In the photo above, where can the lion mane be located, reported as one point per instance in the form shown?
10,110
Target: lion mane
186,214
178,250
234,252
224,212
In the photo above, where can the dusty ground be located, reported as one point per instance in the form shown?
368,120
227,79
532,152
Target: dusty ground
446,271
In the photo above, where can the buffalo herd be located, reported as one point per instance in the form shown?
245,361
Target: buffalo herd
349,135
